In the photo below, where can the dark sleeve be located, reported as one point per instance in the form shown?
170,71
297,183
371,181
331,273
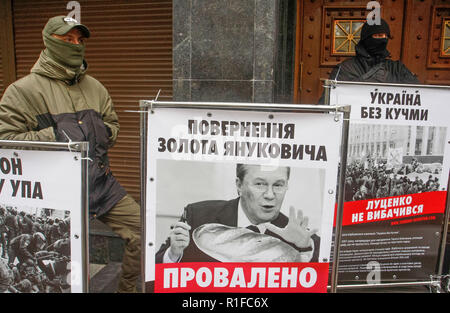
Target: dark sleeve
160,254
316,240
406,76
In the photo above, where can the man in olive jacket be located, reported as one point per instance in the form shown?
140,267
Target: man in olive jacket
58,101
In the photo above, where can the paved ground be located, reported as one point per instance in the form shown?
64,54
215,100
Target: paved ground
105,277
411,289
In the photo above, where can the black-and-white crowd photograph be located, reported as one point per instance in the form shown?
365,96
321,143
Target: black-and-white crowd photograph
391,160
35,250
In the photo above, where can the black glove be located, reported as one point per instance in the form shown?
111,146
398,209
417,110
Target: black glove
108,130
59,135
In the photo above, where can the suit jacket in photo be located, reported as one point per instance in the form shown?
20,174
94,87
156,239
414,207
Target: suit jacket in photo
226,213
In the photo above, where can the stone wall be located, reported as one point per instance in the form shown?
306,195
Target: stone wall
224,50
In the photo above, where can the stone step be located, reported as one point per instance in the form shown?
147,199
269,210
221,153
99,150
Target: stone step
105,258
104,278
104,245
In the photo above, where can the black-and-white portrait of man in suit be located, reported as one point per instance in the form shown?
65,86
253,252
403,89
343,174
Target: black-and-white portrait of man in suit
261,192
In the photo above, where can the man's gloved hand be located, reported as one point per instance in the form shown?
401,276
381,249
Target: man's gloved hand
60,135
108,130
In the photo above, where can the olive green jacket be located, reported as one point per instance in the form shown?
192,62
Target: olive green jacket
53,103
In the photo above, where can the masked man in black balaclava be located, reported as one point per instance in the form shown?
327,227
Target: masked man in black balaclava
59,101
371,63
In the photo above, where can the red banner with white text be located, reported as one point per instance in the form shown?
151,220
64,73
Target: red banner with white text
409,207
242,277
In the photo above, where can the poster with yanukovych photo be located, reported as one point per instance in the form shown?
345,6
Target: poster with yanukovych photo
396,181
40,215
239,201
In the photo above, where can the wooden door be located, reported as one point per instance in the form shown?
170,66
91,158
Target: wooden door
426,44
328,30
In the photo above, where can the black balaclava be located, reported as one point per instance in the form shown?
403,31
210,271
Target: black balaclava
376,47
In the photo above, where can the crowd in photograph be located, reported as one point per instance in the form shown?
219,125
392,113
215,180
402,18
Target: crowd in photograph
367,180
35,252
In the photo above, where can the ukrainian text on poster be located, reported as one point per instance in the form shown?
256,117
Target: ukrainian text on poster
40,212
240,201
396,181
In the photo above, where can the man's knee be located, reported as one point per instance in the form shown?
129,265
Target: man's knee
133,242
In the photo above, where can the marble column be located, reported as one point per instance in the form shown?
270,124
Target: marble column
224,50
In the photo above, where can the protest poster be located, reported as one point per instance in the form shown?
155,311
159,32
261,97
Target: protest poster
239,201
396,181
41,213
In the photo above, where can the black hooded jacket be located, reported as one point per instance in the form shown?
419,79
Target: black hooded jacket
365,68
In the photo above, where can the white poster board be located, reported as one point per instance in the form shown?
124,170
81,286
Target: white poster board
192,159
396,181
41,201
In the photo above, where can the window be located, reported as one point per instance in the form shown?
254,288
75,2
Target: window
445,41
346,34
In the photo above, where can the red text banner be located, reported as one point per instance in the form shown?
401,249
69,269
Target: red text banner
391,208
242,277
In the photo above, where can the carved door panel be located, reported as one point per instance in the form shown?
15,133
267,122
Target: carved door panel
328,30
426,47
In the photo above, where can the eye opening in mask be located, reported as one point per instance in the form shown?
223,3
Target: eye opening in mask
380,36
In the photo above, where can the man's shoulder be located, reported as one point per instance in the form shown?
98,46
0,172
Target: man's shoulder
395,64
349,62
31,79
392,61
220,211
211,204
92,82
91,79
25,82
348,69
28,84
401,72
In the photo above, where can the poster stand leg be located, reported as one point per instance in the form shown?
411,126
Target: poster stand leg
340,209
444,231
84,147
143,154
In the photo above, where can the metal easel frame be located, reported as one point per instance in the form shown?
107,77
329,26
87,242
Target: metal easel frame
83,148
147,106
330,84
